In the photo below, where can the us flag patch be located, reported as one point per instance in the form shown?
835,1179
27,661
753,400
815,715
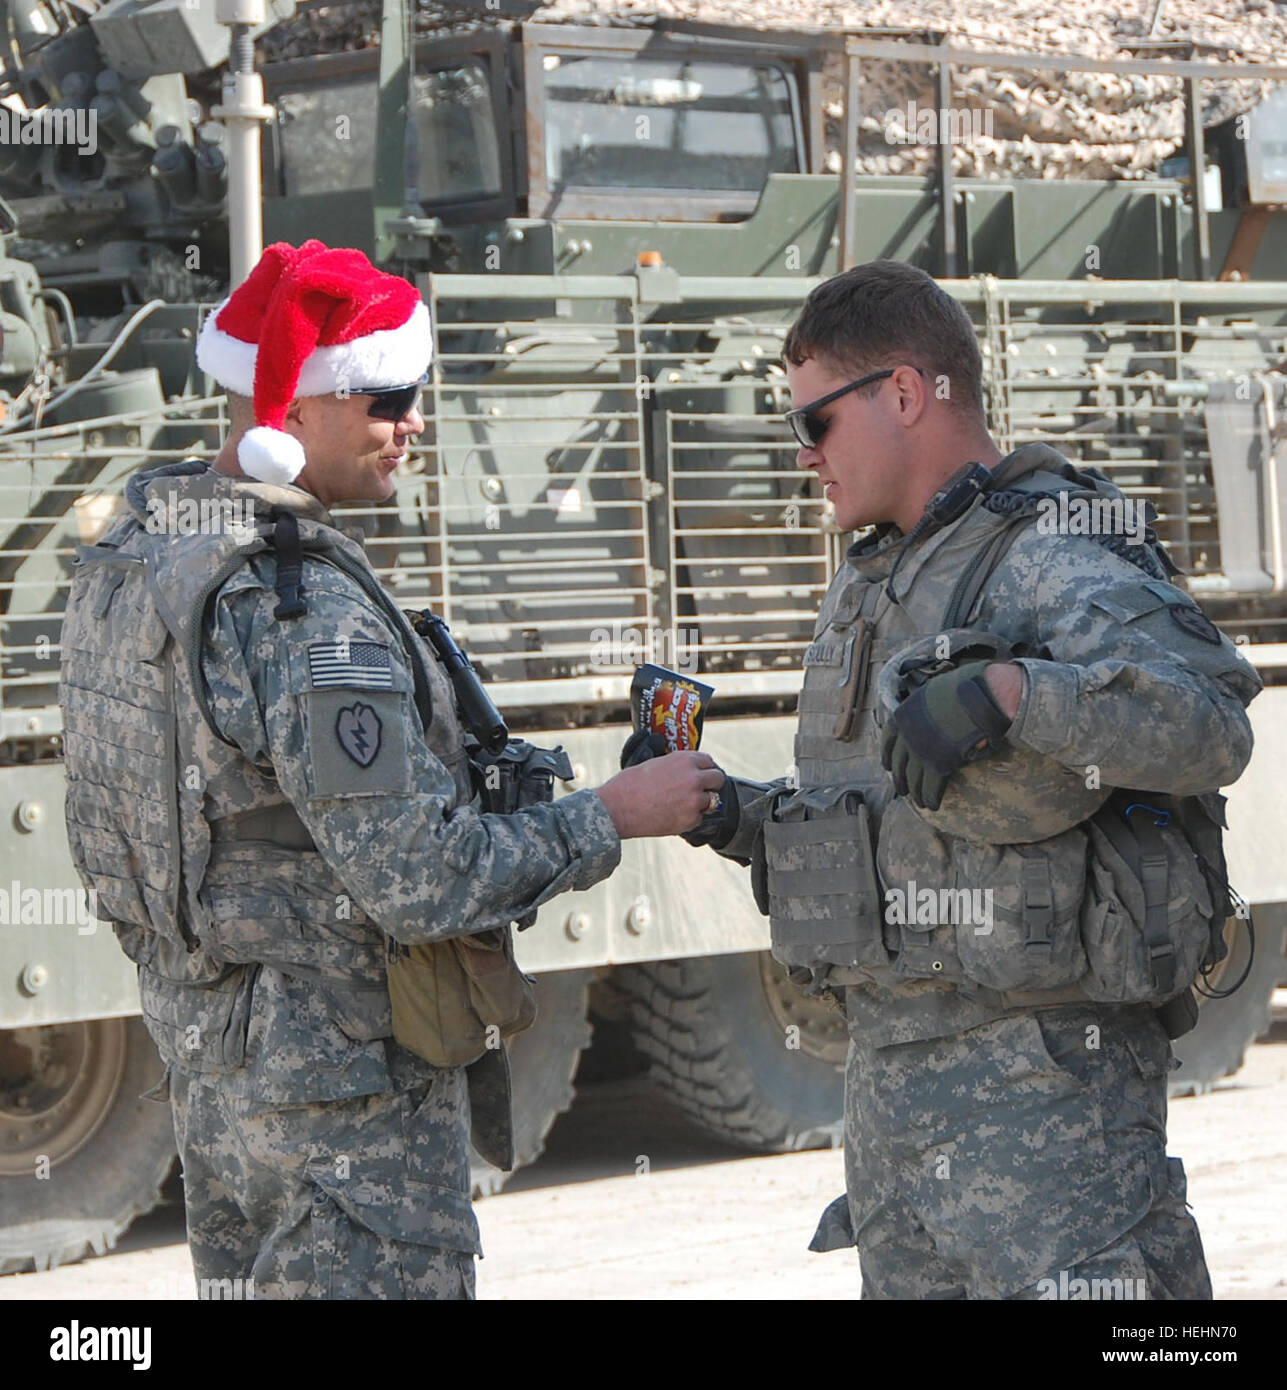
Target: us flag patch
361,664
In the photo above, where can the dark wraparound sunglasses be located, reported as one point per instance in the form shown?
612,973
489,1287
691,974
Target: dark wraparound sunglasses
392,402
808,427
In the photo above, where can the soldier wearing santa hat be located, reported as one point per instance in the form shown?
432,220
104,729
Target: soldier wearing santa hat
269,791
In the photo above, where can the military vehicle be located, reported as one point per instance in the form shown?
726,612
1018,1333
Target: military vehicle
613,228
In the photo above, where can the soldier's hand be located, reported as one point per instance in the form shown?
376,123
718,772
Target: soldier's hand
662,796
718,825
951,720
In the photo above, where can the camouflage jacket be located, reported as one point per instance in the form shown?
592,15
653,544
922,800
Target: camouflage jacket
1132,682
319,787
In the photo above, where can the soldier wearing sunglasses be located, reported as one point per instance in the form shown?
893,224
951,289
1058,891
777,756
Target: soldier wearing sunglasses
270,791
980,697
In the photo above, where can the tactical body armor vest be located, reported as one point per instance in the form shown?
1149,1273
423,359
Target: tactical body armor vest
194,853
837,847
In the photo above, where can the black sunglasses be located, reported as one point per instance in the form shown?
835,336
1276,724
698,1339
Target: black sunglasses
807,427
392,402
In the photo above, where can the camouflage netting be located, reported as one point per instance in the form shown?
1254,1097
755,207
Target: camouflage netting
1085,125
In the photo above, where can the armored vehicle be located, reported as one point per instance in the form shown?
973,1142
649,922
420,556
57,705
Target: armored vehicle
613,228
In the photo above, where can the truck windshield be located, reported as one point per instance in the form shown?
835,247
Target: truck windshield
327,135
459,151
666,123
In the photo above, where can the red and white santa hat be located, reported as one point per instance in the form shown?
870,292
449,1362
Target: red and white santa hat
312,320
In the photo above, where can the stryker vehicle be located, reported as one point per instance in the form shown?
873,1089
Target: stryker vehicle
613,228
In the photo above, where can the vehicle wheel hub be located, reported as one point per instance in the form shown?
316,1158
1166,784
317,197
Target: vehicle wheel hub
822,1031
57,1085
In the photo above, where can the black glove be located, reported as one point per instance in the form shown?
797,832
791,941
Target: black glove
760,872
716,828
949,721
640,746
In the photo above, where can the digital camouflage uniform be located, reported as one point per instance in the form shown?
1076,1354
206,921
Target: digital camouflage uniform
257,852
995,1135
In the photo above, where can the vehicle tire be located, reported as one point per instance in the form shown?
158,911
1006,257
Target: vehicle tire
543,1062
1226,1028
715,1032
81,1155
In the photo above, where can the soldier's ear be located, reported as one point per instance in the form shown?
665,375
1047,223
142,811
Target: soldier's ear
302,415
912,395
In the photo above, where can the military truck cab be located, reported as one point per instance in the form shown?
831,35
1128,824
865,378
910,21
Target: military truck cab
539,123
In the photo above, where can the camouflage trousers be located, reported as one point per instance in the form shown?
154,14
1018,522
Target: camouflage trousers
1025,1158
361,1198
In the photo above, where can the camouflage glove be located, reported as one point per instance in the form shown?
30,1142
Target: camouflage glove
716,828
949,721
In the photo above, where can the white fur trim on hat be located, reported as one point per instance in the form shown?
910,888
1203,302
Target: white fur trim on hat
230,361
272,456
389,357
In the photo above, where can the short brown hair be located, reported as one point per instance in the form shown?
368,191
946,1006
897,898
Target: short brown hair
886,312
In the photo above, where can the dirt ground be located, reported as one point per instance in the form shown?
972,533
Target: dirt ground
628,1202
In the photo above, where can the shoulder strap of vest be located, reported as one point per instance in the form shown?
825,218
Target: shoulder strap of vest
978,570
290,566
1020,508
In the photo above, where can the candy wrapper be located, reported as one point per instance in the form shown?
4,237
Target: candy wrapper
666,703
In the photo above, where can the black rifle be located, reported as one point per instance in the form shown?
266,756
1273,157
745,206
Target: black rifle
477,712
508,773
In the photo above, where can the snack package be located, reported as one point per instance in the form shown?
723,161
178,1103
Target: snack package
666,703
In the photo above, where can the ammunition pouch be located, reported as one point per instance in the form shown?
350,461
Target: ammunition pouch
1119,909
1001,916
198,1027
453,1000
820,874
1152,921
